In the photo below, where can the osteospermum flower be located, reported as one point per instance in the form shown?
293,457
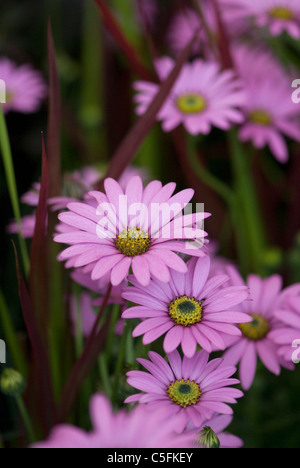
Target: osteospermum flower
119,430
203,96
190,389
277,15
267,120
256,340
136,228
190,310
25,87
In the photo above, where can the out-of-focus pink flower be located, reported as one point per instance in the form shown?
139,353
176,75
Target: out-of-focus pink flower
187,21
277,15
288,313
203,96
25,88
256,340
139,428
269,111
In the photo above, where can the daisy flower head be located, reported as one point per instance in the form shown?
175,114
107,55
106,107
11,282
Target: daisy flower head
123,429
138,228
203,96
277,15
192,390
270,114
191,310
256,340
24,88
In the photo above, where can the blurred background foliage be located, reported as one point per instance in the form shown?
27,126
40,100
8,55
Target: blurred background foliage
97,112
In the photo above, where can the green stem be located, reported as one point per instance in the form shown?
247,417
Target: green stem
26,419
120,362
207,177
104,375
5,149
111,332
248,217
92,91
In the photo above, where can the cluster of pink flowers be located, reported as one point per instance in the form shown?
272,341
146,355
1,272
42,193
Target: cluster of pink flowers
185,296
137,241
204,96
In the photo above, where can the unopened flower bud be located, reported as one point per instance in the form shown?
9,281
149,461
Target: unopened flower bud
12,382
207,438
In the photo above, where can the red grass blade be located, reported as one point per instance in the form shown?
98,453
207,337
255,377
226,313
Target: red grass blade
38,278
223,39
47,408
121,40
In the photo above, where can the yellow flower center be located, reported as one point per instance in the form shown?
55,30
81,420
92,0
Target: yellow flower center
133,242
282,13
184,393
191,103
186,311
257,329
261,117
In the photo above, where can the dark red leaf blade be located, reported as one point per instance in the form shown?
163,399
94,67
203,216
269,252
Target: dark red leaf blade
127,49
223,39
46,403
38,277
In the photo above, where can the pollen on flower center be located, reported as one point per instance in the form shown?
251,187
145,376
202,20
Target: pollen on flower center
191,103
281,13
186,311
261,117
184,392
133,242
257,329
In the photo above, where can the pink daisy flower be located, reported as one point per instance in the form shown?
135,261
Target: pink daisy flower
25,87
267,120
191,310
137,228
193,389
203,96
288,313
277,15
187,21
256,340
119,430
